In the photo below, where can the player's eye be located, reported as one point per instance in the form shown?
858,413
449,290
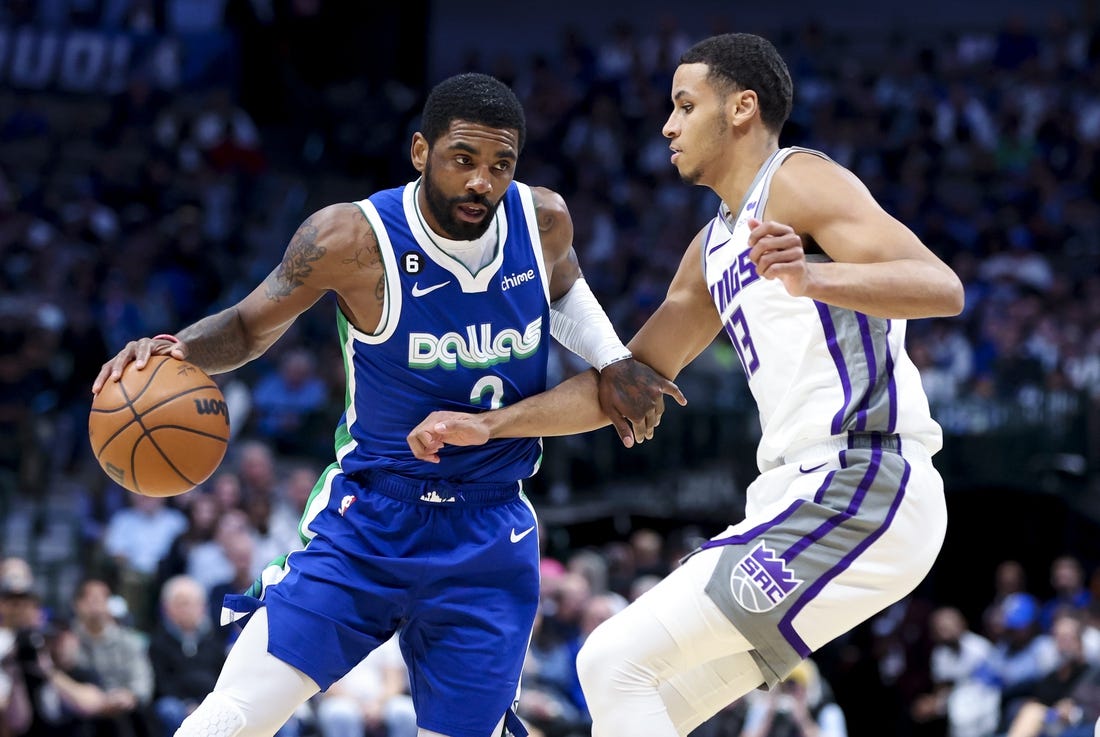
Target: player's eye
463,160
504,166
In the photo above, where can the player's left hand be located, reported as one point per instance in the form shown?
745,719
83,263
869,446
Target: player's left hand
632,395
446,428
777,252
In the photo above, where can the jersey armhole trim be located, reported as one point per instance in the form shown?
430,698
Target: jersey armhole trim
391,300
527,198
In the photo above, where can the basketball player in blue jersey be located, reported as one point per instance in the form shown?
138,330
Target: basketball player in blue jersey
812,281
448,291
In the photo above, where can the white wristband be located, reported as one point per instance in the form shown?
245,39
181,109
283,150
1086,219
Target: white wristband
579,323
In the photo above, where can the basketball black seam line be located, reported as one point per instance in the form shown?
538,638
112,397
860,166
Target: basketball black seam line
145,430
158,405
171,463
193,431
129,405
145,433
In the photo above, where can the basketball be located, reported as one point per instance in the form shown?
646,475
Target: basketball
160,431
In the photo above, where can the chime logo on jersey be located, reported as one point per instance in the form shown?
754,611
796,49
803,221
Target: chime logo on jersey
480,347
761,580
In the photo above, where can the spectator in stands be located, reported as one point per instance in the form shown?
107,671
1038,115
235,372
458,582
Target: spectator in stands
240,551
371,700
66,696
1067,580
290,502
18,614
1054,705
186,651
800,706
956,654
225,485
550,699
208,562
1021,655
203,511
137,538
286,402
1009,578
118,657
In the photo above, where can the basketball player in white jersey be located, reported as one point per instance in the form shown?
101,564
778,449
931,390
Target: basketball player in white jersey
812,281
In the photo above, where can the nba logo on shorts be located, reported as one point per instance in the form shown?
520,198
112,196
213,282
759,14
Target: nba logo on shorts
761,580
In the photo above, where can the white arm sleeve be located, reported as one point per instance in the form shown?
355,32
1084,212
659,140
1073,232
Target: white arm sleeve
579,323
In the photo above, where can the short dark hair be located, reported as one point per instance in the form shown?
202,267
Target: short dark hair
477,98
744,61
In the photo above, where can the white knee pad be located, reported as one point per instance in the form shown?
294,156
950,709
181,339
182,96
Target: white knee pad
216,716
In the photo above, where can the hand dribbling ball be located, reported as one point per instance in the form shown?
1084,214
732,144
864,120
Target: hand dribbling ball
160,431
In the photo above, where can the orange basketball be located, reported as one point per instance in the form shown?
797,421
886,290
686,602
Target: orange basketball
162,430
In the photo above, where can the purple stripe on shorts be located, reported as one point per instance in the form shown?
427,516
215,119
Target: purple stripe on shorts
838,360
755,532
892,386
786,626
833,522
872,369
820,494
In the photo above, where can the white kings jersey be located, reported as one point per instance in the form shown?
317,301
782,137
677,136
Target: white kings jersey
815,370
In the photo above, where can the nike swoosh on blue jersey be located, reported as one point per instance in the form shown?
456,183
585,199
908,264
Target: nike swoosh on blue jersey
418,292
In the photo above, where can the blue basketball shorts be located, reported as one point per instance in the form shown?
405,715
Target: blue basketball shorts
454,568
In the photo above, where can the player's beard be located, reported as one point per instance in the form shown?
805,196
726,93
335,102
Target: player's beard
442,209
695,176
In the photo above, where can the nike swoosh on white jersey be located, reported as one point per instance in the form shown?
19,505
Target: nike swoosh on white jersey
418,292
516,537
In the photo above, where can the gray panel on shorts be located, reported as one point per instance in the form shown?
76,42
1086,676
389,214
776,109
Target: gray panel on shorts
874,399
793,555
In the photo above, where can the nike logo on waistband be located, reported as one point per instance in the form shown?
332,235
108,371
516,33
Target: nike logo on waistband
517,536
418,292
812,468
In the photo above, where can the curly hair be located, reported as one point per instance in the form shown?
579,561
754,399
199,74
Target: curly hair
744,61
477,98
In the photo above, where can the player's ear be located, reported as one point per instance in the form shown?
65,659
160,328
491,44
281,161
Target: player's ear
418,152
742,106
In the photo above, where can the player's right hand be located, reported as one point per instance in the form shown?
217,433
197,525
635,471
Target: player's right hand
137,352
632,395
446,428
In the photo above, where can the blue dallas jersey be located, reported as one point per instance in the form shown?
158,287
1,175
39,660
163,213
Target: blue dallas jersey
448,340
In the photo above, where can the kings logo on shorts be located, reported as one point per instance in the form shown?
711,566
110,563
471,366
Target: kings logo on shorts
761,580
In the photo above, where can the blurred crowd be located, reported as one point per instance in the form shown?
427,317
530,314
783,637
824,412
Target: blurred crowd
137,212
136,647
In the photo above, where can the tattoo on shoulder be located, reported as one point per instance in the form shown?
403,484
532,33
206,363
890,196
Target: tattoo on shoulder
366,253
297,262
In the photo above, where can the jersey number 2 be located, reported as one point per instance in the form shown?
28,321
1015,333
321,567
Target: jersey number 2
491,384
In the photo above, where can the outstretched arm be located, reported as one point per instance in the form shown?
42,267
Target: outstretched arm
632,395
684,324
570,407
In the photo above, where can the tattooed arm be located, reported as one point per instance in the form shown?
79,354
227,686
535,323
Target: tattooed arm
330,251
